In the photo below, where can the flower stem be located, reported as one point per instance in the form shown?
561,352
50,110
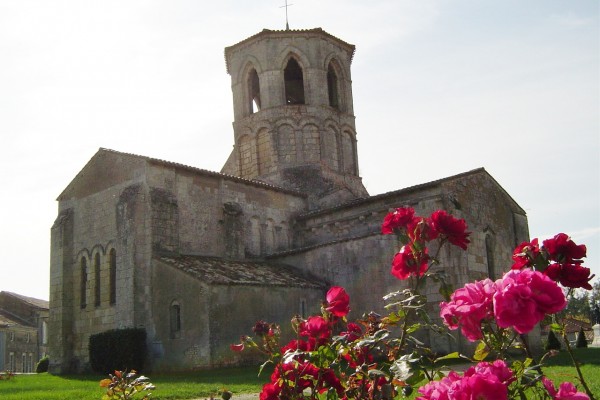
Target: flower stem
576,364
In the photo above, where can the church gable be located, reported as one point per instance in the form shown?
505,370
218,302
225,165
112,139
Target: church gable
107,168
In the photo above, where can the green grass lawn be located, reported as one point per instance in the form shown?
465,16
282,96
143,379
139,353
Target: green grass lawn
173,386
238,380
561,368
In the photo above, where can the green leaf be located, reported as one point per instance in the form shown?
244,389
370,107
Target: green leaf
375,373
401,370
481,352
450,356
263,366
556,327
413,328
416,378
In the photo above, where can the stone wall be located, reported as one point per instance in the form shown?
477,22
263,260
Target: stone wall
235,309
186,346
344,246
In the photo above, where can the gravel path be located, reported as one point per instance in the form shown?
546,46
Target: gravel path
243,396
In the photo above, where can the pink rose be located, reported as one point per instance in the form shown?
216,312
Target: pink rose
438,390
524,297
338,301
566,391
499,369
480,386
407,263
468,307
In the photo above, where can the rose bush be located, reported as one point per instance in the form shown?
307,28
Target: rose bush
378,357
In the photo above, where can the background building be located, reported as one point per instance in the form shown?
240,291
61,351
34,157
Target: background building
23,332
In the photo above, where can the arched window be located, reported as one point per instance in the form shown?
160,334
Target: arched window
294,83
113,276
489,250
175,320
97,280
254,92
44,332
303,308
83,283
332,87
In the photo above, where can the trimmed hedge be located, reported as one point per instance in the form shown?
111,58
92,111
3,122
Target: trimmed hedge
581,340
42,365
553,342
118,349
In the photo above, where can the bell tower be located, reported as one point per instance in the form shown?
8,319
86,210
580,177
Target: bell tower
293,114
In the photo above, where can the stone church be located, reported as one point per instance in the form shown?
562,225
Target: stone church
195,257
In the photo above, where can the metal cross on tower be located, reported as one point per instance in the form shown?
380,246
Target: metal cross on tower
287,26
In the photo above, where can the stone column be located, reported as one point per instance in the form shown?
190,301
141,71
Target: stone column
596,341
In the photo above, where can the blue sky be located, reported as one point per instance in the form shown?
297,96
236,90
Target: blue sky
440,87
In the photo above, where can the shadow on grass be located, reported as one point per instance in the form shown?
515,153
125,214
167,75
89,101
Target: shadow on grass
585,355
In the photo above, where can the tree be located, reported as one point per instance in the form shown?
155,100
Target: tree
581,340
553,342
578,305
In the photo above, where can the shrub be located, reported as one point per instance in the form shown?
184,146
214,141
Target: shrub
581,340
42,365
553,342
118,350
125,386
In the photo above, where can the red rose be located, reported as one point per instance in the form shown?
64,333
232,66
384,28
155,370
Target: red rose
397,220
237,347
453,229
525,254
406,263
570,275
562,249
315,327
338,301
419,230
354,331
270,391
261,328
295,345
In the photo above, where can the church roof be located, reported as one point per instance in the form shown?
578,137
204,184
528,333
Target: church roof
422,186
219,271
171,164
38,303
282,32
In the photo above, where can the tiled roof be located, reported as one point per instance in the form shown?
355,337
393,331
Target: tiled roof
264,32
218,271
158,161
43,304
369,199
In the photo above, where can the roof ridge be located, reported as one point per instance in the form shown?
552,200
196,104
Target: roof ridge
189,167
